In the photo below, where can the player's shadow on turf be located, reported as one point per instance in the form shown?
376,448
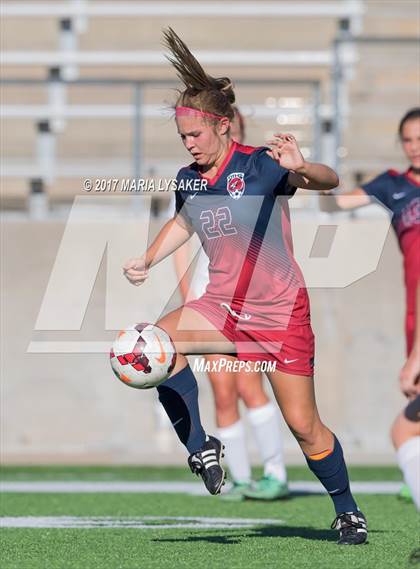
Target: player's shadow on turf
222,539
265,531
292,494
289,531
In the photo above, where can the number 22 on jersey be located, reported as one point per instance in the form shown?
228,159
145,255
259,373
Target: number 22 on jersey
217,223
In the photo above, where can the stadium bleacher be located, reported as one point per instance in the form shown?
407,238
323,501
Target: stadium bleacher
91,126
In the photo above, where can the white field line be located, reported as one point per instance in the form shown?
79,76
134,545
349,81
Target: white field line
141,522
192,488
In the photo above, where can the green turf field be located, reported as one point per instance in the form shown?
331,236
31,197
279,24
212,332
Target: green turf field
290,534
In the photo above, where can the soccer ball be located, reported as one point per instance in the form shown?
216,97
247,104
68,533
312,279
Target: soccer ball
143,356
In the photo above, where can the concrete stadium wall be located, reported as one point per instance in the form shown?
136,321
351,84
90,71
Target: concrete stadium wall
66,408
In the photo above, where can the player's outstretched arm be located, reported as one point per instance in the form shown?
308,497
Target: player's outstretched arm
307,175
172,235
346,200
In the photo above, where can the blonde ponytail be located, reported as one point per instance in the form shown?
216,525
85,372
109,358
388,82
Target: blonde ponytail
202,91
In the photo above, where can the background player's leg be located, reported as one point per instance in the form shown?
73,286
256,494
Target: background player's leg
296,398
230,430
405,436
226,398
264,420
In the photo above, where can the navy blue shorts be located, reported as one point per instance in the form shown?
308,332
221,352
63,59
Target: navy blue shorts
412,411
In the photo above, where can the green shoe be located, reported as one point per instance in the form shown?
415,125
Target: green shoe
405,493
268,488
236,492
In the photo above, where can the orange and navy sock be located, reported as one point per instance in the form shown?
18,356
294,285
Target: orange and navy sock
179,397
330,469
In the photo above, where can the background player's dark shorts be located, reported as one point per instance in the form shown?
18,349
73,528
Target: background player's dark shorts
291,349
412,411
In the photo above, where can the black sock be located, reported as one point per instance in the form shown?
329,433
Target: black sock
331,471
179,397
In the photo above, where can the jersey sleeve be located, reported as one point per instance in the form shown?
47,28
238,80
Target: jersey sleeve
379,188
273,174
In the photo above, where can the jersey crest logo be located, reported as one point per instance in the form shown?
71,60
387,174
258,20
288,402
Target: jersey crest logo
235,185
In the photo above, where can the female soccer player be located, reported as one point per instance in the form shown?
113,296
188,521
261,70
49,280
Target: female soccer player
400,193
255,305
405,431
229,387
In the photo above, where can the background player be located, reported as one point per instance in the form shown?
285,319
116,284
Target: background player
399,192
263,318
230,387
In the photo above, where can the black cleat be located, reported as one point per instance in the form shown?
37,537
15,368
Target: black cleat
352,527
206,463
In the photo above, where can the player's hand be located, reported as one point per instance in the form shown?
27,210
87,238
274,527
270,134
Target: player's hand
410,376
285,151
136,270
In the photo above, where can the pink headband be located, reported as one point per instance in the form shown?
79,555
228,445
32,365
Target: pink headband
189,111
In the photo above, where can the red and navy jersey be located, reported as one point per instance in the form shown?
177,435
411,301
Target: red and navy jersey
242,219
400,193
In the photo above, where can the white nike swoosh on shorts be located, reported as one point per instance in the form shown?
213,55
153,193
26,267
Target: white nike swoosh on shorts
232,312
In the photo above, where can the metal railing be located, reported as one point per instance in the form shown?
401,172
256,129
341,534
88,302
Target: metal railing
137,111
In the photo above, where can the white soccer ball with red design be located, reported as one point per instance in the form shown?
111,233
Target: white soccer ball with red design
143,356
